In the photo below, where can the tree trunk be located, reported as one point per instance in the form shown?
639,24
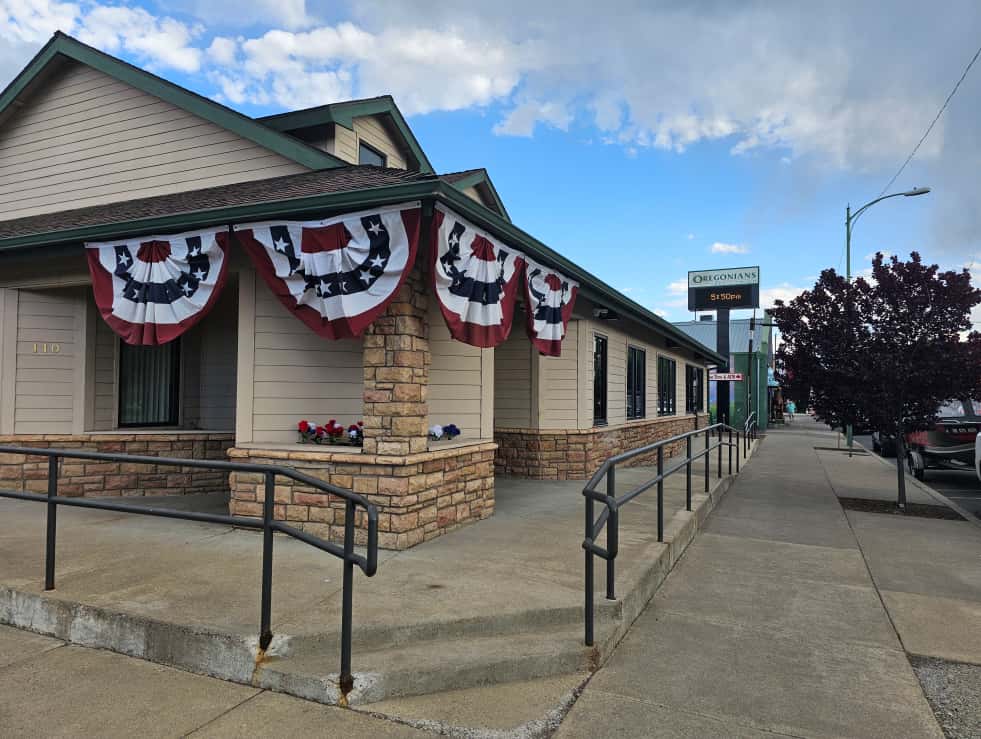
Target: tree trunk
901,466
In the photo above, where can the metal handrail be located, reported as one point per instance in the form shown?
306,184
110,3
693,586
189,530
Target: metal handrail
610,515
750,430
368,564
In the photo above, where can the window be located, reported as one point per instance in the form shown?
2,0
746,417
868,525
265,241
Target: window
667,377
599,380
694,389
149,384
636,382
368,155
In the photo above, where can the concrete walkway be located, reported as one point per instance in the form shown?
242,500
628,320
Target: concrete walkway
772,624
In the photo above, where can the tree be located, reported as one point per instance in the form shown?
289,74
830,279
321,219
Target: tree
884,352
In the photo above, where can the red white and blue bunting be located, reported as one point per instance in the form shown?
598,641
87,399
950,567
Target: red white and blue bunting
338,274
549,299
152,289
475,278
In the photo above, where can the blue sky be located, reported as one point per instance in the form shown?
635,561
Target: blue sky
632,141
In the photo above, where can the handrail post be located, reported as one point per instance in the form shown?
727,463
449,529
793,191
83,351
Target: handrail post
612,535
52,527
688,473
265,618
708,438
588,605
719,467
730,451
660,493
737,452
346,681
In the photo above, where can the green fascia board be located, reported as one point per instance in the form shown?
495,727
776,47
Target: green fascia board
592,287
344,113
480,177
219,114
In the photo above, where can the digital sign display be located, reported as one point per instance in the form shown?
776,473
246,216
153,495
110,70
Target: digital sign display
713,289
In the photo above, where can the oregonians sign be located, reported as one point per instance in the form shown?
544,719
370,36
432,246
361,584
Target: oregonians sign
712,289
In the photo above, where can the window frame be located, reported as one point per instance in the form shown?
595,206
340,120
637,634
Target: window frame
381,155
177,376
694,388
636,407
601,388
667,387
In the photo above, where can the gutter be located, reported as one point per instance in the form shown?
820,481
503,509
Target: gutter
429,188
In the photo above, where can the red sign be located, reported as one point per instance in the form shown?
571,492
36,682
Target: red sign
726,376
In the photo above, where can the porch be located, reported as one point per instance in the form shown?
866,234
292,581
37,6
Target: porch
498,602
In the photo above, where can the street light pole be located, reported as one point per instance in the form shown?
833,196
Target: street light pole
849,223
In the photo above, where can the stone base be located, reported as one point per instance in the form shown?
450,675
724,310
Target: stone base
79,477
574,454
419,496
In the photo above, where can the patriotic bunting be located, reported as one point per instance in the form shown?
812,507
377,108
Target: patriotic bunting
549,298
336,275
475,279
151,290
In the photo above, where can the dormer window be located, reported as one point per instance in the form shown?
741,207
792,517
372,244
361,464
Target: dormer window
368,155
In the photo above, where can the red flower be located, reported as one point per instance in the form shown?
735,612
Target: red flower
304,427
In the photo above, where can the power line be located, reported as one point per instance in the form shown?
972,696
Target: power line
932,123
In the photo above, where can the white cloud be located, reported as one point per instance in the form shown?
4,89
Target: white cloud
661,312
678,287
159,42
690,236
720,247
784,291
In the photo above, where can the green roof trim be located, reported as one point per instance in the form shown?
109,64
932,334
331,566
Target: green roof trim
480,177
590,286
220,115
344,113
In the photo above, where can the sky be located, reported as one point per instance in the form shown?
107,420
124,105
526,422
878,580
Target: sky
640,139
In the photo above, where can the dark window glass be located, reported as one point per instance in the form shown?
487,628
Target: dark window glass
694,389
636,382
149,384
667,378
367,155
599,380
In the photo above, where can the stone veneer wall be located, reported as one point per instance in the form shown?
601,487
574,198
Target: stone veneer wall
574,454
78,477
419,496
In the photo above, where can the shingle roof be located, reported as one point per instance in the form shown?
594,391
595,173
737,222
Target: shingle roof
241,193
704,333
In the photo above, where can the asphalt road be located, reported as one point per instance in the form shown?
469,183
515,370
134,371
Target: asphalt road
961,486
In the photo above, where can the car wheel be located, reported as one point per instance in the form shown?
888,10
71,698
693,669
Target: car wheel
876,447
915,469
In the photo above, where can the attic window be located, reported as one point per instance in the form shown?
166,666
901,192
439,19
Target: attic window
367,155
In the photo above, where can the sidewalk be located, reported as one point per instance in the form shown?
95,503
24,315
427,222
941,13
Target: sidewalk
772,623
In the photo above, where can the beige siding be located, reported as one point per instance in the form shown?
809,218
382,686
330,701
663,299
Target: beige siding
512,379
106,356
455,379
344,144
560,382
85,138
218,363
298,375
45,381
371,130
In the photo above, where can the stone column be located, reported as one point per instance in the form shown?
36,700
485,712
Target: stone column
396,373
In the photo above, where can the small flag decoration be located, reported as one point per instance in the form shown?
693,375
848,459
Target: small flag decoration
151,290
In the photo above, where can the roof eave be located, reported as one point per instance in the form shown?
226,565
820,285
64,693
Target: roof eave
70,48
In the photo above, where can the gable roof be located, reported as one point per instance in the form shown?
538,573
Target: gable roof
481,180
344,113
62,47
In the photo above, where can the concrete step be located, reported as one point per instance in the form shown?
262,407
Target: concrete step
431,666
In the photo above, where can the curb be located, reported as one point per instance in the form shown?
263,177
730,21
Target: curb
936,495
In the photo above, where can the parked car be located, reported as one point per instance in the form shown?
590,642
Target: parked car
951,443
884,444
977,455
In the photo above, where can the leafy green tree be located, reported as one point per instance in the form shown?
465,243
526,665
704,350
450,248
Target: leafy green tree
885,352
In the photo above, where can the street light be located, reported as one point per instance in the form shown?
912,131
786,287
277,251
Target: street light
850,220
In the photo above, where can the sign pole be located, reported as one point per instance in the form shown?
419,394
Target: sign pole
722,347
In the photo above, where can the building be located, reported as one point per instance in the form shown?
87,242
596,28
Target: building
177,278
753,391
